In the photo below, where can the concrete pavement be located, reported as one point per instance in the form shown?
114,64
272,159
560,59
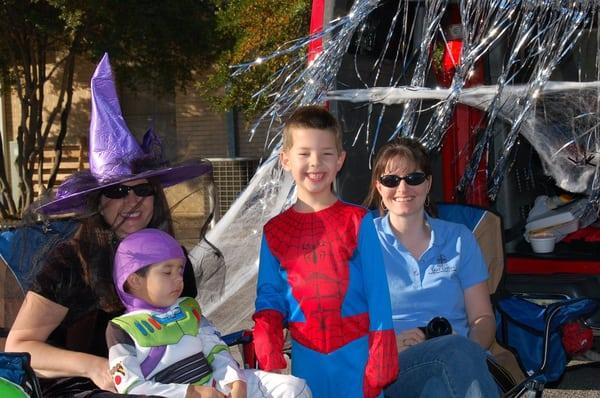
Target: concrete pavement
581,380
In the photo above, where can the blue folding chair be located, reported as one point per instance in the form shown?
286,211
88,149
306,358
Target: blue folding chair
17,379
530,331
534,332
21,249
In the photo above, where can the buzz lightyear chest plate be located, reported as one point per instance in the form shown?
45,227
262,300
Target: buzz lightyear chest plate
153,329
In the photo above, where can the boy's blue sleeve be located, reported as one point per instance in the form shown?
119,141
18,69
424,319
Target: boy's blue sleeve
271,313
382,364
375,279
271,287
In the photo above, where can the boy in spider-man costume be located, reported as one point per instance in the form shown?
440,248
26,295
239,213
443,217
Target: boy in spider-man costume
321,274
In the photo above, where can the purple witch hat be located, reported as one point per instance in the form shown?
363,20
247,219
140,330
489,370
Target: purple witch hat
114,152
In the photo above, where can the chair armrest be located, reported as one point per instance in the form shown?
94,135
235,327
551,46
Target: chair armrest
235,338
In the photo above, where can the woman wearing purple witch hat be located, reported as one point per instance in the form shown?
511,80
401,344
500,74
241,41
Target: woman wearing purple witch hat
64,315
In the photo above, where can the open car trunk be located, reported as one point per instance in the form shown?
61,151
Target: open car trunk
572,269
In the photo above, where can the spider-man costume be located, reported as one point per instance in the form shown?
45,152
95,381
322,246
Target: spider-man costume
322,275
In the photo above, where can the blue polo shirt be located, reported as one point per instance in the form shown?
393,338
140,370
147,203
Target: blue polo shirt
434,284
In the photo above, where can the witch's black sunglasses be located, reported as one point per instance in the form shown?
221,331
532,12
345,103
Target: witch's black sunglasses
392,180
120,191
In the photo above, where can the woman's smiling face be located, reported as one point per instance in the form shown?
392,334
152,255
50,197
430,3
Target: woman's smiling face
405,199
128,214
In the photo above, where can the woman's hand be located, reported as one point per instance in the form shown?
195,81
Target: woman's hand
97,370
203,392
238,389
408,338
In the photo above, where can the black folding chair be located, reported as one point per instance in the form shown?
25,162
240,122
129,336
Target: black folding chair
15,368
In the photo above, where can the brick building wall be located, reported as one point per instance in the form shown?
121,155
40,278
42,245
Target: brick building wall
247,148
200,131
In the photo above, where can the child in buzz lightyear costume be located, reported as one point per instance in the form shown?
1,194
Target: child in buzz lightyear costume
163,345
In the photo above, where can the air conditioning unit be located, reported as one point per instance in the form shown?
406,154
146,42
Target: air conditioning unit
231,176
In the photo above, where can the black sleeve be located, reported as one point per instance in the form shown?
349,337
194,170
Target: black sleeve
189,279
59,279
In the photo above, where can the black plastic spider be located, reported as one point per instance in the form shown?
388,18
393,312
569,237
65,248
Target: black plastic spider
585,160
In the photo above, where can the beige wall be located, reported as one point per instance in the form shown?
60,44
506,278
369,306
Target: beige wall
200,131
248,148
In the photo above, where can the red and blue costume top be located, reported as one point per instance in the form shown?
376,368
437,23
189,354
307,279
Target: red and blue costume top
321,274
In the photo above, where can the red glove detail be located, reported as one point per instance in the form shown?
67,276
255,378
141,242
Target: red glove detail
268,339
576,338
382,366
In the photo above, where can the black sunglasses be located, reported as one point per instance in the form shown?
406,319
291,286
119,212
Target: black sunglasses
392,180
120,191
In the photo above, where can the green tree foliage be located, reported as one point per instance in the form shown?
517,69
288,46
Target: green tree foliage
249,29
155,43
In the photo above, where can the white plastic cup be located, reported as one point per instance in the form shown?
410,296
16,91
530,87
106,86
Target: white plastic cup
542,244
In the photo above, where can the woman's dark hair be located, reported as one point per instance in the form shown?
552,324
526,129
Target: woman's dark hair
403,147
96,242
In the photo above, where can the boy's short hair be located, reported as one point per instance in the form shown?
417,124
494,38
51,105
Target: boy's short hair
142,272
312,117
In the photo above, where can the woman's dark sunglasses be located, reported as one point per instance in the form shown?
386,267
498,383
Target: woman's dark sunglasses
392,180
120,191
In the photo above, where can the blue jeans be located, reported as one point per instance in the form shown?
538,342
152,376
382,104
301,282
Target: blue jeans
447,366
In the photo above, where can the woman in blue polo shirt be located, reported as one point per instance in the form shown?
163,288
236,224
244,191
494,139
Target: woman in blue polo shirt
434,268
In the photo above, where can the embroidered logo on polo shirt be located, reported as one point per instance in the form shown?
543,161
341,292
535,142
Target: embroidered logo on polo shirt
442,266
